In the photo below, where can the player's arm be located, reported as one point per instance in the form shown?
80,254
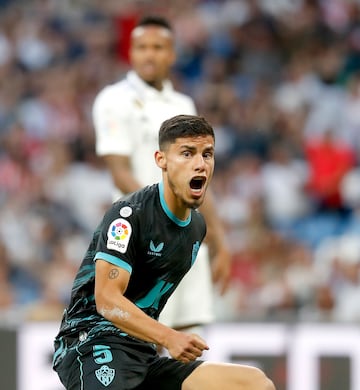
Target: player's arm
110,285
114,138
216,240
121,172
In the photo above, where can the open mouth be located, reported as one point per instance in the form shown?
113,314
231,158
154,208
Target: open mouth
197,183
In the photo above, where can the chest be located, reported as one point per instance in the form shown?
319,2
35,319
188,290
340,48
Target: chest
168,252
148,115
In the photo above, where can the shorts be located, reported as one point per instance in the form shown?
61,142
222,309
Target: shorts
117,363
192,301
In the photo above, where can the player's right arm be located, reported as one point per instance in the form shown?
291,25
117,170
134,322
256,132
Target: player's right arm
114,142
111,283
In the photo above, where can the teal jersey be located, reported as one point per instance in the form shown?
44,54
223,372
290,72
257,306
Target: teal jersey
140,234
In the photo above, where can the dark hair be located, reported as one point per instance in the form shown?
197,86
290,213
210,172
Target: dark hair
154,21
182,126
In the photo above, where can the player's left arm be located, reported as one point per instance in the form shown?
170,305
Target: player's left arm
219,251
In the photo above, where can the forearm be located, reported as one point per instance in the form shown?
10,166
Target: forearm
121,172
133,321
215,236
219,251
130,319
125,182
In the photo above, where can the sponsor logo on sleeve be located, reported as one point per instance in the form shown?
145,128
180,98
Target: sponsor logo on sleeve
119,234
125,211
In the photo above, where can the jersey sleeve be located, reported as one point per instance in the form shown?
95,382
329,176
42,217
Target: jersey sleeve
111,123
117,237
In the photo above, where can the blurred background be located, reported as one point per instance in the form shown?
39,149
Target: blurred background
280,82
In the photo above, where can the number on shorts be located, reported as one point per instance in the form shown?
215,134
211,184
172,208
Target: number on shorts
102,354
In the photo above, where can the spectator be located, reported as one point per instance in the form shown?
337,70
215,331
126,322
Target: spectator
329,161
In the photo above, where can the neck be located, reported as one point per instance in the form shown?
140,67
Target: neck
175,209
155,84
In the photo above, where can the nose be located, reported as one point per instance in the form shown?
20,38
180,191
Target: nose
199,162
149,53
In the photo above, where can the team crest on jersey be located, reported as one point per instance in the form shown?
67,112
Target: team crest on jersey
105,375
119,234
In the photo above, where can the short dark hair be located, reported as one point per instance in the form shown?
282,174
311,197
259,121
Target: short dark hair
182,126
152,20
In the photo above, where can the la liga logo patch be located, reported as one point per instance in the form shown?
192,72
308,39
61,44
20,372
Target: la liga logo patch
119,234
119,231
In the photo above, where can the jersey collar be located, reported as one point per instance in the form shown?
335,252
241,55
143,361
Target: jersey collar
145,90
167,211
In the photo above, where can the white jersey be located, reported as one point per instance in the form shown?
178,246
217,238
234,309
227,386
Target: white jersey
127,117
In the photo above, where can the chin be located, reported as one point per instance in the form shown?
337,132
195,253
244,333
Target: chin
149,79
192,204
197,203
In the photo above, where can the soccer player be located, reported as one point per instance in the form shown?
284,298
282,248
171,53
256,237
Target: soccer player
127,116
141,250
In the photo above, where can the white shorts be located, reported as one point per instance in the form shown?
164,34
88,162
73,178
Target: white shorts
192,301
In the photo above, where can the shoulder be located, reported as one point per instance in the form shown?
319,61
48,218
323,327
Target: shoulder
133,212
183,98
198,224
185,102
197,217
136,203
113,94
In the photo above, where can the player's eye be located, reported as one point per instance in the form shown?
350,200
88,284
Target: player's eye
186,153
208,155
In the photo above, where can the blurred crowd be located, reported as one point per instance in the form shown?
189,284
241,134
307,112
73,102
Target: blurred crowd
280,82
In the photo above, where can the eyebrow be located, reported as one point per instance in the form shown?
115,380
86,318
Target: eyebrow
207,148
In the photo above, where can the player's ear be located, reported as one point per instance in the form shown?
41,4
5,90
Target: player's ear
160,159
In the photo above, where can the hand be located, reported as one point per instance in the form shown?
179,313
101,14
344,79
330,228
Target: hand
221,269
186,347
